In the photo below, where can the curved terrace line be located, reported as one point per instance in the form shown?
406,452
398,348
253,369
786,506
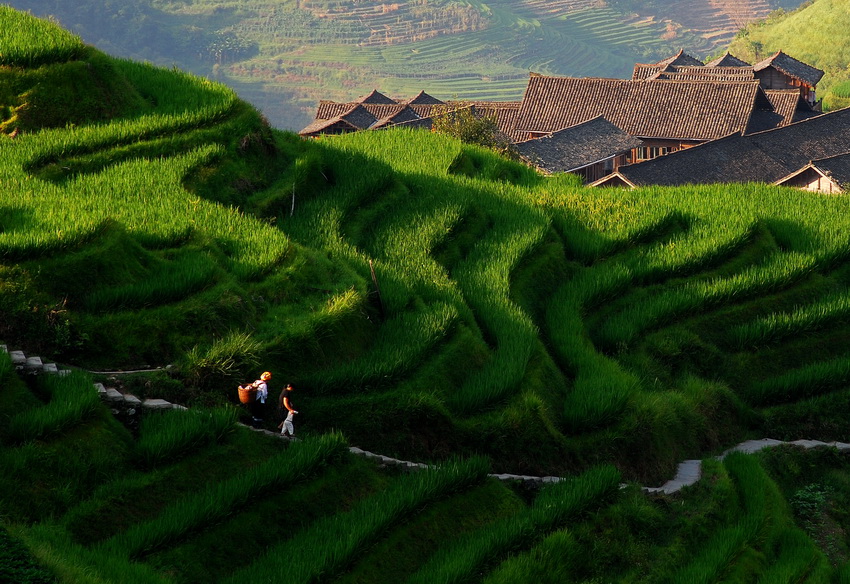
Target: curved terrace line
688,472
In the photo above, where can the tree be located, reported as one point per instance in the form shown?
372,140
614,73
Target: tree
467,125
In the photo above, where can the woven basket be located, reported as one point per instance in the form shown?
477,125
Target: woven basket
247,395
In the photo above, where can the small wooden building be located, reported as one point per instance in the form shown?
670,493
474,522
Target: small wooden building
592,149
829,175
779,71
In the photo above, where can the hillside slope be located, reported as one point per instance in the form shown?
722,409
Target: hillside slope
815,34
507,312
429,301
277,53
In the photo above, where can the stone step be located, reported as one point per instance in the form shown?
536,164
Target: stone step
33,364
114,395
18,358
156,404
132,400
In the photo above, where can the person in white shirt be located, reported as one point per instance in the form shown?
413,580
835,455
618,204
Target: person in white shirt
262,394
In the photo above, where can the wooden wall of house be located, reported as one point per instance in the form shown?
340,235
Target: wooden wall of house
811,180
602,168
653,148
770,78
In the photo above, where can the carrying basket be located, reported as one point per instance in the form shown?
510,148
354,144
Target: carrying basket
247,395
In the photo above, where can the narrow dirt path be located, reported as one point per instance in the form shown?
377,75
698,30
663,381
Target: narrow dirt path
687,473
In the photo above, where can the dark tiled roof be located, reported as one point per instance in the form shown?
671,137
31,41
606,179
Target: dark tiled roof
791,67
376,97
762,157
328,126
730,159
680,59
405,114
663,109
727,60
576,147
423,98
642,71
788,107
359,117
331,109
692,73
787,103
836,167
818,137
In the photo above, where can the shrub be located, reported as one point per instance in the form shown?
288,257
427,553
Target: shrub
72,399
166,435
225,362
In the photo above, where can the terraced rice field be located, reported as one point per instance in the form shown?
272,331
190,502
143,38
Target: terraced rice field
509,313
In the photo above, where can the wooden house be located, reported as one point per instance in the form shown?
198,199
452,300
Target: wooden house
667,115
591,149
779,71
666,107
827,175
782,77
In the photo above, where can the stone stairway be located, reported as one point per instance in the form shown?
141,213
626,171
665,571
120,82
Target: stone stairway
687,473
109,395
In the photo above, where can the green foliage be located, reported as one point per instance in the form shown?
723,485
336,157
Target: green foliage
224,362
509,313
812,34
321,550
167,435
468,126
72,400
552,508
30,42
216,501
16,563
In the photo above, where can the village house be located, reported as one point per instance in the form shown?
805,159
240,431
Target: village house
591,149
376,111
793,155
826,175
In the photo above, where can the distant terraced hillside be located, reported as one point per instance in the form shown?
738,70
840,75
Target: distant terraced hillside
817,34
285,55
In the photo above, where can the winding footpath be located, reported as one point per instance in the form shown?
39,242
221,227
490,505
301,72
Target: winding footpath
687,473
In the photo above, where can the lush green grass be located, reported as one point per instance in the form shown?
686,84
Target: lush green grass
511,316
166,435
30,41
72,400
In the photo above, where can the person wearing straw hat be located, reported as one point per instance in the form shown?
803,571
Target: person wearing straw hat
262,393
286,404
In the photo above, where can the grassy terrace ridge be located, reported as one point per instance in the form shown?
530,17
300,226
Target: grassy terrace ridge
520,323
286,55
